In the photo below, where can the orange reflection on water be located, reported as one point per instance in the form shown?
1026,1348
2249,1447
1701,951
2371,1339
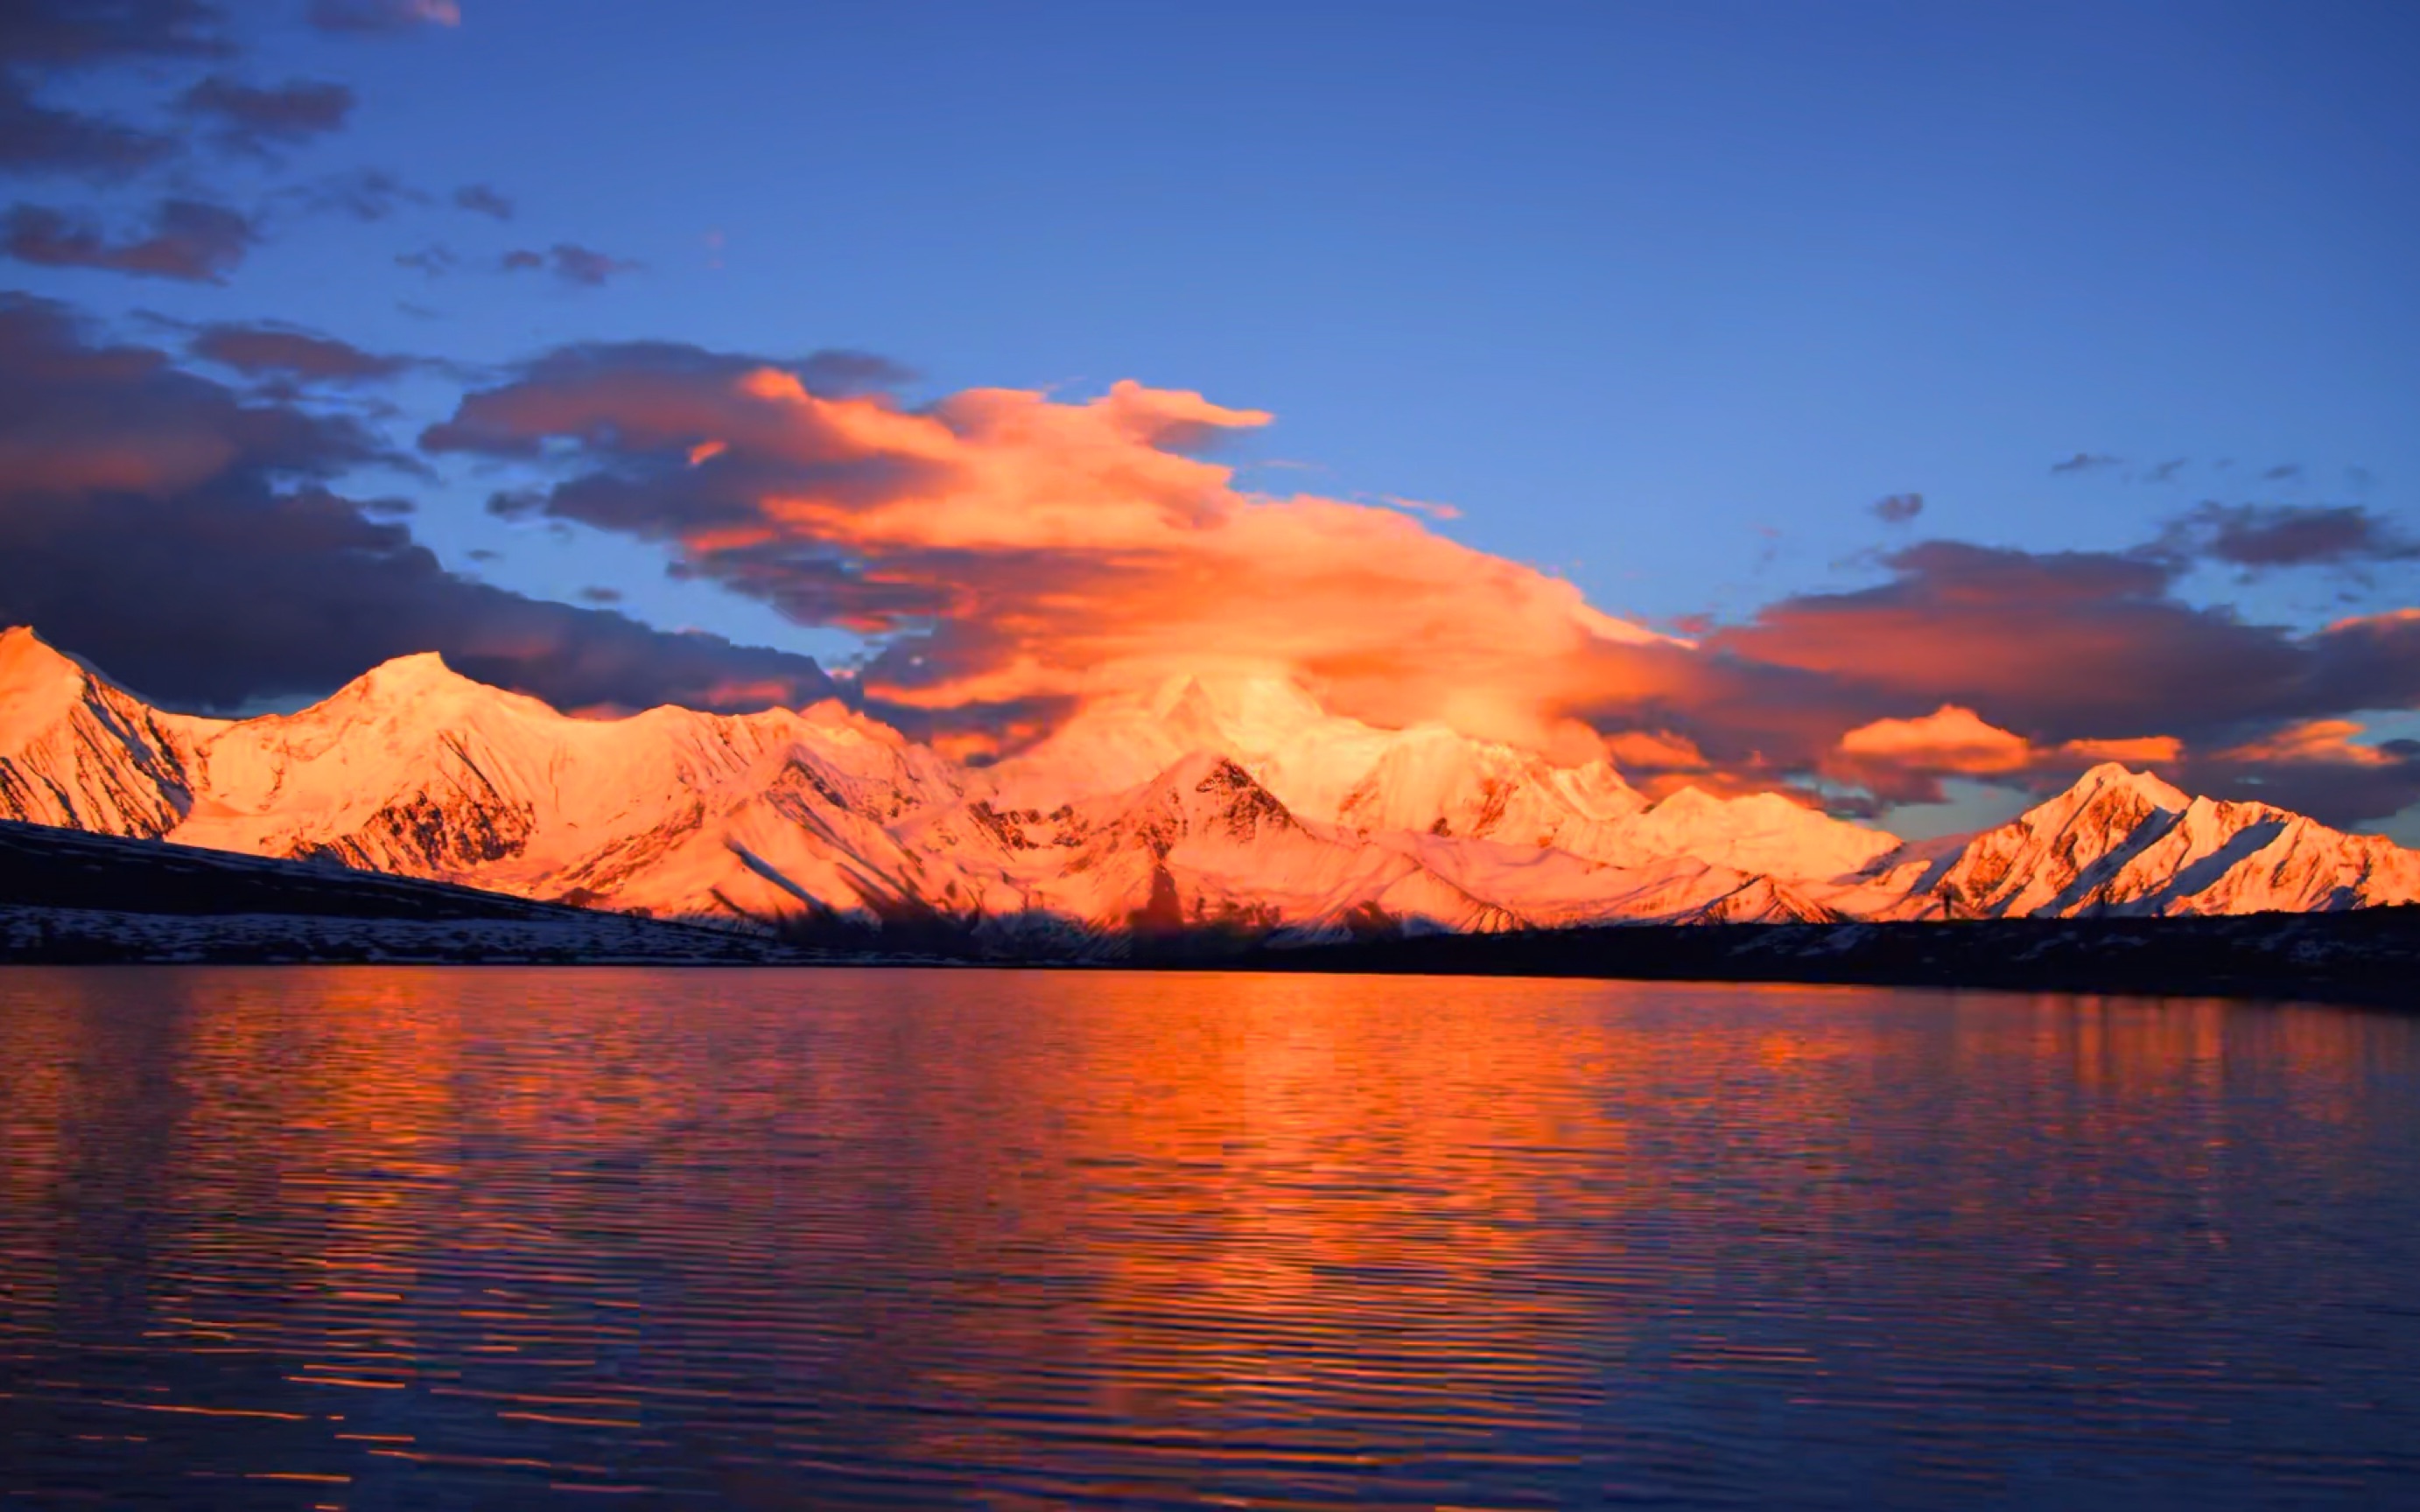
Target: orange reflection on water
1028,1225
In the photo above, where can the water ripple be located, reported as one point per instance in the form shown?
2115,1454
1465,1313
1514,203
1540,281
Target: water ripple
373,1238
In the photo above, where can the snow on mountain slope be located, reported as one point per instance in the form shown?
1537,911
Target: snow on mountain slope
1427,779
1762,833
414,770
1234,803
78,753
2126,842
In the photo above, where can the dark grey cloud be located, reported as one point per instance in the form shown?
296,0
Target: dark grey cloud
484,199
363,195
41,40
379,17
77,33
194,542
2087,462
2167,470
2056,647
838,370
38,138
2283,473
2288,535
189,240
581,266
1898,508
434,260
594,594
249,118
268,348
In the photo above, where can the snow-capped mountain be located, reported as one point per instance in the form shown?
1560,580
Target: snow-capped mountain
1237,804
2127,844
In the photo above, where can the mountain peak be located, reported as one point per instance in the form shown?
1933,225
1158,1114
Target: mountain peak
2113,775
38,686
423,674
22,651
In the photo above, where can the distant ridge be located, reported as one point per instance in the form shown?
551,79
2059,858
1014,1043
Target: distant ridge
1235,807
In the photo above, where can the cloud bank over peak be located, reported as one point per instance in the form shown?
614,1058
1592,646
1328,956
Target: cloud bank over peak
1008,553
1004,546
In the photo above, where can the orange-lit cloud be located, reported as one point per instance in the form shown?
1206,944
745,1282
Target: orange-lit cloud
1950,739
1007,554
1021,548
2324,741
1956,741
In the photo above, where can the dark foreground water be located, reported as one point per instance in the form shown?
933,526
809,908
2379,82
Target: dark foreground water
297,1238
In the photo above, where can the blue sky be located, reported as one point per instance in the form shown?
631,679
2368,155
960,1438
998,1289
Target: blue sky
1661,298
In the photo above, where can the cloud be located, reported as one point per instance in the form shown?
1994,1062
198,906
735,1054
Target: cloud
285,351
42,39
78,33
580,265
2288,535
1906,756
2283,473
2323,741
1003,547
484,199
2085,462
2082,656
1007,554
1655,751
1898,508
2167,470
371,17
253,119
192,542
189,240
1950,739
2061,645
37,138
365,194
434,260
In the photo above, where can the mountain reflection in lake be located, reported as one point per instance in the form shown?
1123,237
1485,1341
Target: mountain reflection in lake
370,1239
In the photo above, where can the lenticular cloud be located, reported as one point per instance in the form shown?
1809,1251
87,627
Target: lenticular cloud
1008,546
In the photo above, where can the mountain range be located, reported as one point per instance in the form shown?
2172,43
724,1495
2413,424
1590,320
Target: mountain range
1232,804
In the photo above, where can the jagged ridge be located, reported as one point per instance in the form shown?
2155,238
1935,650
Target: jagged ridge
1239,806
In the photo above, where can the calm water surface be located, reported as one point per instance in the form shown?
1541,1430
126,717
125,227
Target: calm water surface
372,1238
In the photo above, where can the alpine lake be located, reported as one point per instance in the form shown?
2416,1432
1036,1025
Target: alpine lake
398,1238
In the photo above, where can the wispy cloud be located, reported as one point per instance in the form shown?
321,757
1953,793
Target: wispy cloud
484,199
374,17
362,195
252,119
188,240
2087,462
570,263
268,348
2288,535
38,138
